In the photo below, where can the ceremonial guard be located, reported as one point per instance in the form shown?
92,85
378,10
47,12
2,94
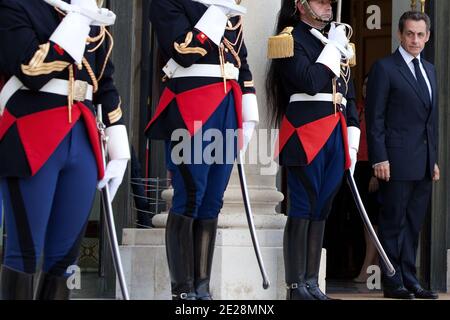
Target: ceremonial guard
207,86
55,62
313,103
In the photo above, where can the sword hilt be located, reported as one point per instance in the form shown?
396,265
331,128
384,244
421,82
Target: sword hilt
101,127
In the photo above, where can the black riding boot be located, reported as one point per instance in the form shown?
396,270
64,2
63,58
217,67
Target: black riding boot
52,287
295,254
315,240
204,240
16,285
180,256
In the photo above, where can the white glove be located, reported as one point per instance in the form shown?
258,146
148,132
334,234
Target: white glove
337,35
248,128
213,24
71,35
99,16
85,4
337,46
353,158
250,108
354,135
88,8
119,153
114,173
228,7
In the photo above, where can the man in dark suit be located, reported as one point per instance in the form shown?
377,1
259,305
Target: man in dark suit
402,130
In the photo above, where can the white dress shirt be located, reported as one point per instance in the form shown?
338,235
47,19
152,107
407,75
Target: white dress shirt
409,61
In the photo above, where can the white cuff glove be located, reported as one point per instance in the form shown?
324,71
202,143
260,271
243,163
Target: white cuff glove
98,16
214,20
337,45
118,146
229,7
250,108
331,57
71,35
353,158
119,153
248,128
337,35
113,178
250,117
88,8
213,23
85,4
354,135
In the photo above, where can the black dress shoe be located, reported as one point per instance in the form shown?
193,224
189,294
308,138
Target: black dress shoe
398,293
421,293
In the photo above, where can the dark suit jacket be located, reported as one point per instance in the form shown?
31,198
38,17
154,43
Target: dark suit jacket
401,126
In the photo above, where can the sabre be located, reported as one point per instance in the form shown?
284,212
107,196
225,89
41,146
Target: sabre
108,212
368,225
251,223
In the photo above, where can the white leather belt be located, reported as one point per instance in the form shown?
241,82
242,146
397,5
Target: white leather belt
174,70
81,90
324,97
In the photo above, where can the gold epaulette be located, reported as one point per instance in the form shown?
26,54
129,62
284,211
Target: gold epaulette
352,61
281,45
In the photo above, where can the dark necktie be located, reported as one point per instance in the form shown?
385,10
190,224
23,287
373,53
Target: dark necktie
421,81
